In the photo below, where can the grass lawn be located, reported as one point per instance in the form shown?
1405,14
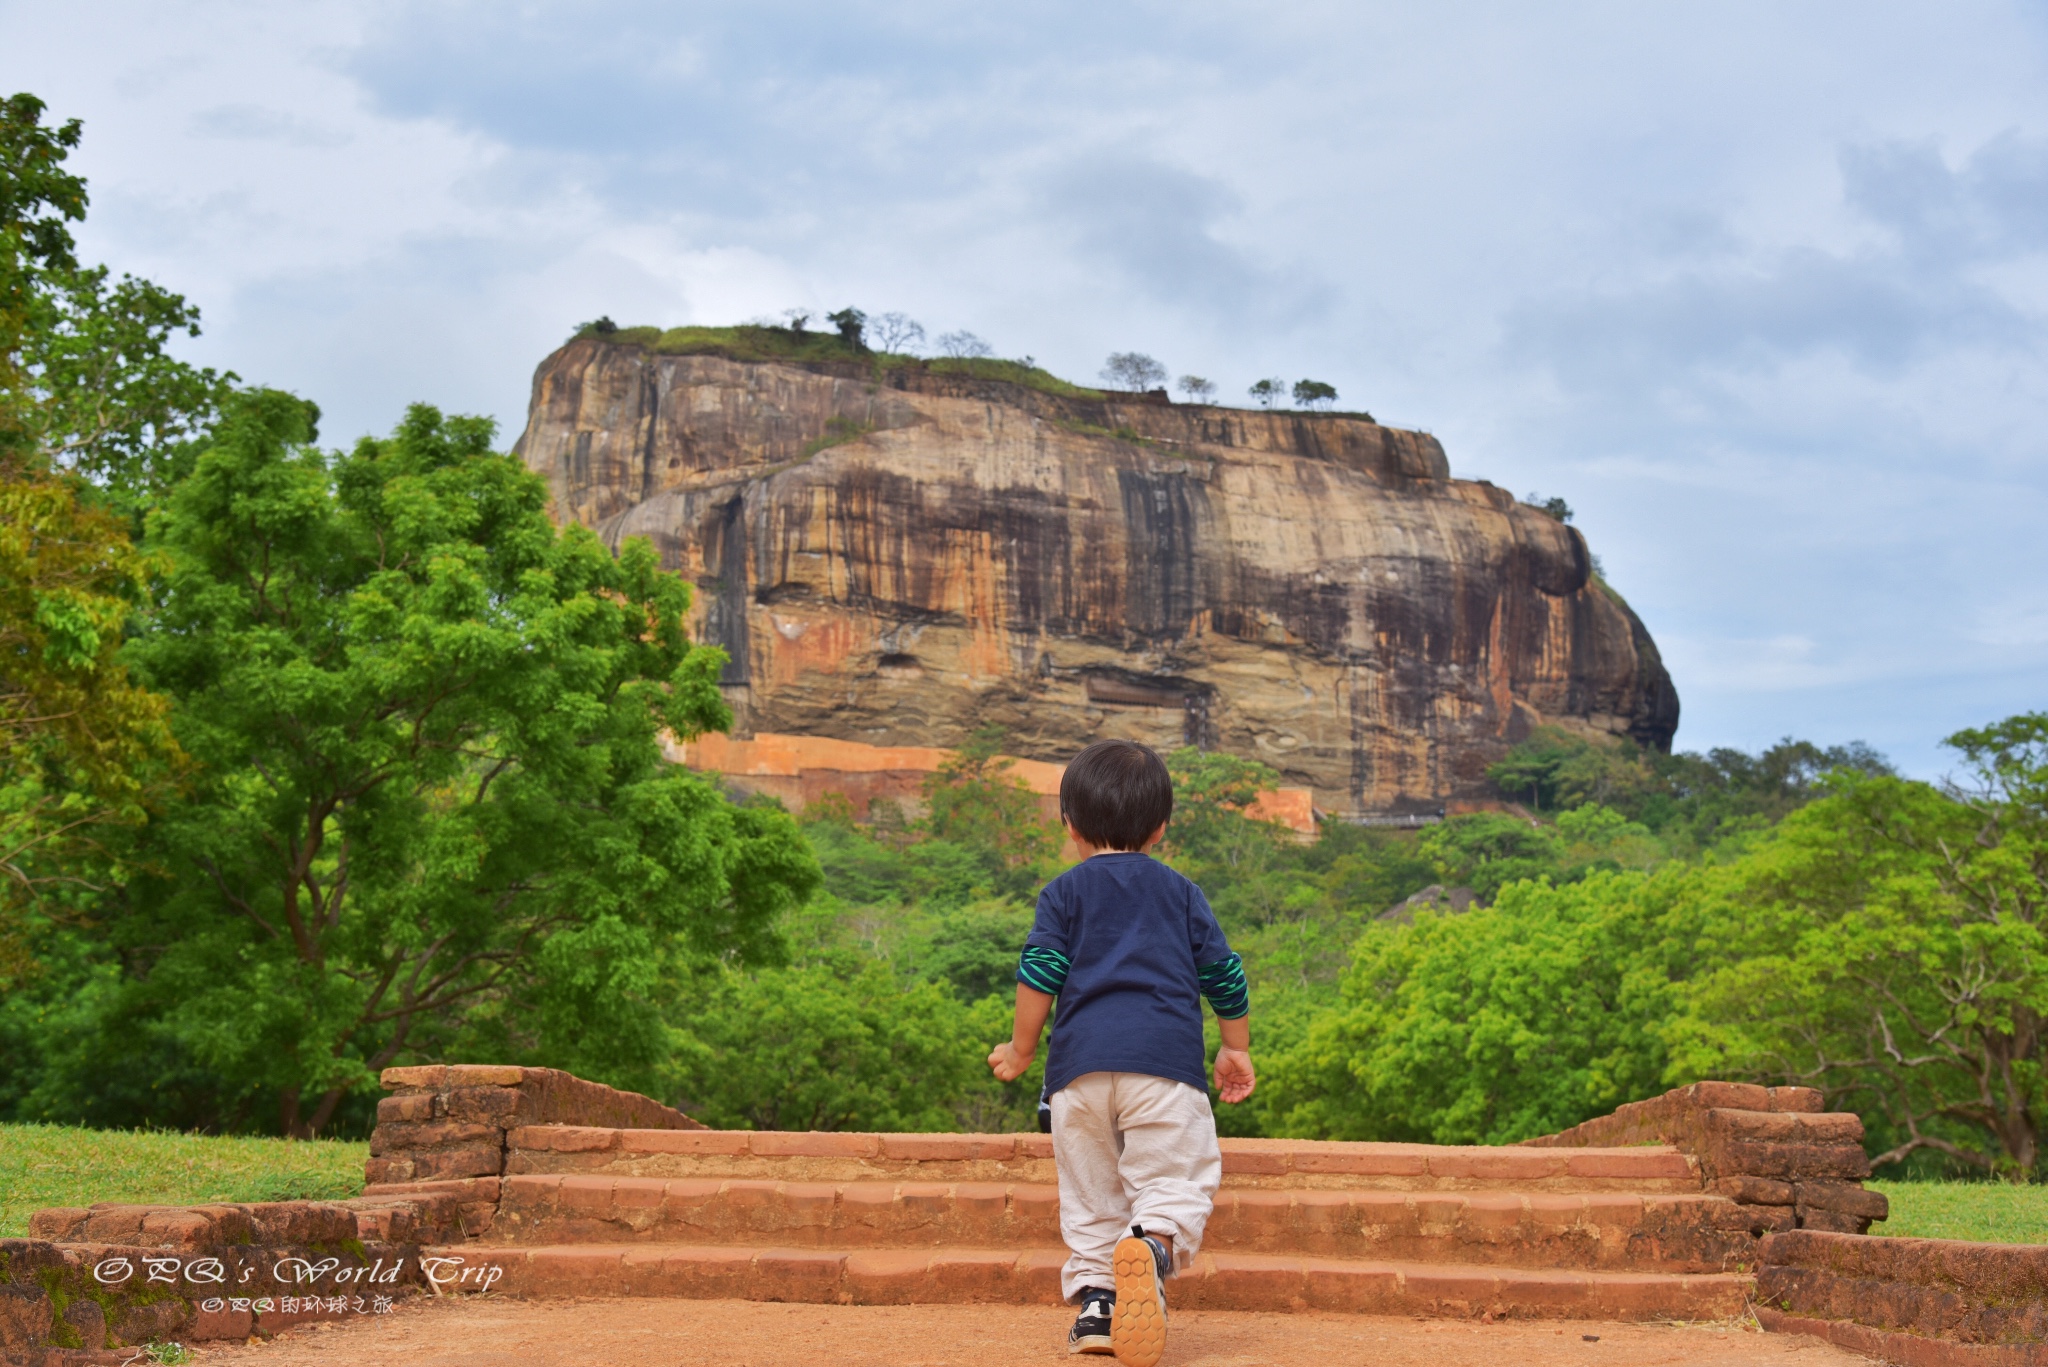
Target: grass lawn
58,1165
1994,1212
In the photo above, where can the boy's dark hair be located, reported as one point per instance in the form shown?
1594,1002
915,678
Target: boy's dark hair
1115,793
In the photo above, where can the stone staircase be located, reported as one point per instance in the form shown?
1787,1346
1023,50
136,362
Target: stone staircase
897,1218
533,1182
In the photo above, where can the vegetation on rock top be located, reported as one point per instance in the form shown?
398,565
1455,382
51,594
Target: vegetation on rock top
766,342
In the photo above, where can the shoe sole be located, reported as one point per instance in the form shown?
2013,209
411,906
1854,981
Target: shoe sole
1137,1327
1094,1343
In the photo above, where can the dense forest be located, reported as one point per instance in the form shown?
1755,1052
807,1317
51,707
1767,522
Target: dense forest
314,761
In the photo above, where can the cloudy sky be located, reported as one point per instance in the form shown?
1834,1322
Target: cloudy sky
1761,289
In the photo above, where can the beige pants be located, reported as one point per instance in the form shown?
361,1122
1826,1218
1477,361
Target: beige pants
1131,1149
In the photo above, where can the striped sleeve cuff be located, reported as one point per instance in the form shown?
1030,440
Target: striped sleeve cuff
1043,970
1223,983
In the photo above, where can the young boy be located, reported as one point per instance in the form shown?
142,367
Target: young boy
1129,948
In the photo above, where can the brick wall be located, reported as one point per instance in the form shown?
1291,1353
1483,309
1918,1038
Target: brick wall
1937,1302
1772,1149
449,1122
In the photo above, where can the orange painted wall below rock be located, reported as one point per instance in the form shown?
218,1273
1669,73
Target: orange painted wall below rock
799,770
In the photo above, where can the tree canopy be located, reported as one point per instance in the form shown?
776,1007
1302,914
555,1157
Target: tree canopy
430,800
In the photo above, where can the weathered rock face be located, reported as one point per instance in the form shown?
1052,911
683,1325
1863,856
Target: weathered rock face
898,557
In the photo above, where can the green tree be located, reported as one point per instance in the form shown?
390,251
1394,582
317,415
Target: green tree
1485,851
85,381
814,1049
851,322
430,796
976,805
1266,393
1314,394
1886,944
81,746
1689,799
1495,1025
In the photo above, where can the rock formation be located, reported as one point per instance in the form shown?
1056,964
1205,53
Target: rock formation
898,554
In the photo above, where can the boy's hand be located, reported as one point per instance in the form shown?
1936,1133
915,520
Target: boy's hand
1008,1062
1234,1076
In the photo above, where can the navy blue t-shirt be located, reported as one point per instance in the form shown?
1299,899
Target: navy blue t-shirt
1136,933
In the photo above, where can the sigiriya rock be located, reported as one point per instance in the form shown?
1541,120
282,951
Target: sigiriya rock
900,554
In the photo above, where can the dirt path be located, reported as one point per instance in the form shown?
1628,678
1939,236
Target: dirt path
478,1332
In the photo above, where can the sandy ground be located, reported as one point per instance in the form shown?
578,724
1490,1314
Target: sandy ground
480,1332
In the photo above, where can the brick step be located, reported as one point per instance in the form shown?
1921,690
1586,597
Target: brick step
1267,1163
1610,1230
1030,1276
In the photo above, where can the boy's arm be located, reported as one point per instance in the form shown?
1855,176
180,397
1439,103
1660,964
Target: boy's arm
1009,1059
1234,1076
1223,983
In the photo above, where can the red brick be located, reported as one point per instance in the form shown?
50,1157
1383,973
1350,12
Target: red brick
960,1274
683,1197
1040,1146
708,1273
1846,1197
639,1193
1245,1281
1035,1203
1453,1288
1484,1211
748,1203
1254,1164
496,1105
1787,1127
1797,1099
924,1203
1367,1289
810,1204
1516,1165
722,1142
1753,1191
414,1106
219,1324
388,1171
797,1274
983,1200
554,1270
392,1136
466,1188
1630,1208
929,1148
1739,1096
812,1144
1733,1157
1833,1221
1037,1275
485,1075
868,1204
586,1196
59,1224
429,1078
877,1276
564,1138
1640,1165
469,1160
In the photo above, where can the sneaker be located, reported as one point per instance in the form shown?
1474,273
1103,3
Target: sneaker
1137,1333
1090,1333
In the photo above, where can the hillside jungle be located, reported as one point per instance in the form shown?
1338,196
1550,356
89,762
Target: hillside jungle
316,760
